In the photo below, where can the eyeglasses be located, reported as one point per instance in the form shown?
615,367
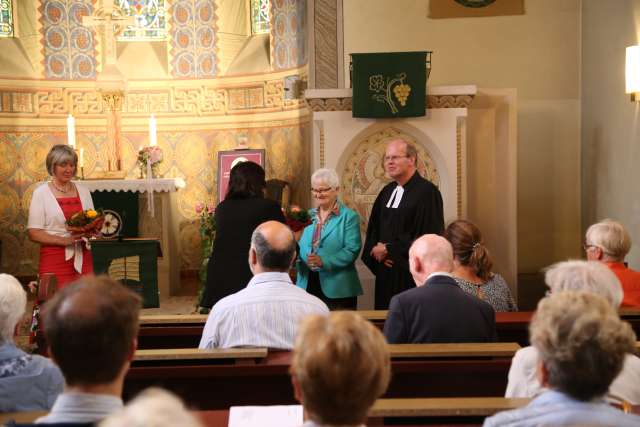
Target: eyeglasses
587,246
394,158
321,190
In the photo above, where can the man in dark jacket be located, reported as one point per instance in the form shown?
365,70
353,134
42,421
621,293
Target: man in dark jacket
437,310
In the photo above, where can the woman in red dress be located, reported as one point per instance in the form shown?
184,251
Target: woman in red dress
61,253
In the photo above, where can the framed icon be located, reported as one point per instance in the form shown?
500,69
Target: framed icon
228,159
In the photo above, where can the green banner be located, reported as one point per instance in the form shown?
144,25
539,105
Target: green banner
389,84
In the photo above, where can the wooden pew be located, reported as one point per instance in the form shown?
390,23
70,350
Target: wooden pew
182,331
182,354
456,411
421,370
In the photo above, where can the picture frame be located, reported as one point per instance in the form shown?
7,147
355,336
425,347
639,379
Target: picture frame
228,159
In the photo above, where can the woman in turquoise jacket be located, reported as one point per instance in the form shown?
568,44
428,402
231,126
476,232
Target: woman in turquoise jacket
329,246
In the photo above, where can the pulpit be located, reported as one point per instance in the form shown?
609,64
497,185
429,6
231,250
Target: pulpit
134,262
154,224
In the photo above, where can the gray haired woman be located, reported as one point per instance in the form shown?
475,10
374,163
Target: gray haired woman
27,382
61,253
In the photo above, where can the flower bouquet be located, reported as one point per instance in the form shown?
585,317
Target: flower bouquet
89,221
149,156
297,218
206,214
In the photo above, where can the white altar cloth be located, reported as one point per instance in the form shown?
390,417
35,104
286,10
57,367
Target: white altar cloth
158,185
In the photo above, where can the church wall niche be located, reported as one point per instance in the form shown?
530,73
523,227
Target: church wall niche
362,173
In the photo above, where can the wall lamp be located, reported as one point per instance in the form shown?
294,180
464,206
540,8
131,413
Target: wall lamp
632,73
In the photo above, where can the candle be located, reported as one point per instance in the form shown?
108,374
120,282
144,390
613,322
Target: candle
71,131
81,160
153,137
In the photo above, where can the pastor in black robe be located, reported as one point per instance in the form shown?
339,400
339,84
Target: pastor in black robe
419,212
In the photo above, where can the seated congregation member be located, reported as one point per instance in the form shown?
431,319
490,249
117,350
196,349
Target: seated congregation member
472,266
154,407
329,246
27,382
91,327
266,313
582,344
340,366
585,276
609,242
437,310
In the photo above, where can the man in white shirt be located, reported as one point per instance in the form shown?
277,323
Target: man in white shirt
267,312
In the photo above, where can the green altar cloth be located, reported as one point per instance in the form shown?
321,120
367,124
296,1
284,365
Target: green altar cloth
134,262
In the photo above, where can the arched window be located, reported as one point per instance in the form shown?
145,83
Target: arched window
260,16
6,18
150,16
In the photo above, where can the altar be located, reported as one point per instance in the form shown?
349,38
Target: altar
155,206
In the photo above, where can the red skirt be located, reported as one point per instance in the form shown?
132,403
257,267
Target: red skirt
52,261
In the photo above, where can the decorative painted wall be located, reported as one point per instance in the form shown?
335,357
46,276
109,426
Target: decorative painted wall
191,155
288,33
193,39
67,46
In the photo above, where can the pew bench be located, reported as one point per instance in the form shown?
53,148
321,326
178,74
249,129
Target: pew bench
418,370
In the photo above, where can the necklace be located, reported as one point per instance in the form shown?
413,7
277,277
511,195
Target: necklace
60,189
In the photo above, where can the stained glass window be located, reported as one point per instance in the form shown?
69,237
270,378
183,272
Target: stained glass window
6,18
260,16
150,16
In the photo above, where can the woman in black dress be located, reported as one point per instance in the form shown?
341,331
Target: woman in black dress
243,209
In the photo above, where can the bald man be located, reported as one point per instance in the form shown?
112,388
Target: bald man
91,327
267,312
437,310
405,209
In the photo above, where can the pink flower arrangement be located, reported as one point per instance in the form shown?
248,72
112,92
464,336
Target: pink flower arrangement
149,156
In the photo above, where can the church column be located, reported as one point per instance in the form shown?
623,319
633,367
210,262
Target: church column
326,44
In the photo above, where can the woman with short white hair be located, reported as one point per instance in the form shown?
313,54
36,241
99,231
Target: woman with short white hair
27,382
582,345
586,276
609,242
330,245
153,407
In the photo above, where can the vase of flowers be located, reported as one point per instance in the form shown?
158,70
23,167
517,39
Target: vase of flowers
149,156
206,218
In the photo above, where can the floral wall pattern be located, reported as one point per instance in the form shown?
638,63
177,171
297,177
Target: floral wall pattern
193,39
68,46
288,33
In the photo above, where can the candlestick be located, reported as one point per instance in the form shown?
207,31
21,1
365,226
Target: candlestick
153,136
81,160
71,131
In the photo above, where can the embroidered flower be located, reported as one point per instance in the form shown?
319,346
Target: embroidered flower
376,82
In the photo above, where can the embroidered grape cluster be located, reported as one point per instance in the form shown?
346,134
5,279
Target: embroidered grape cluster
401,92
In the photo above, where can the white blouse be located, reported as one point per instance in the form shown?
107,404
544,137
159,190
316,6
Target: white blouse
46,214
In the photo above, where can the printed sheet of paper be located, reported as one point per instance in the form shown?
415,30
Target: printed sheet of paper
266,416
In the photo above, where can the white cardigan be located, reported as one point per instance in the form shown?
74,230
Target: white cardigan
46,214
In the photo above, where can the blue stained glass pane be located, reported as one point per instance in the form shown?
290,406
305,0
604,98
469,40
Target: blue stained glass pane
260,16
6,19
151,21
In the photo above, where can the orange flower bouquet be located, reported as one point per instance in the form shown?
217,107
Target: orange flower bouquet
89,221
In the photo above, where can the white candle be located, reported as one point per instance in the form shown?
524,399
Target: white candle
153,137
81,160
71,131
